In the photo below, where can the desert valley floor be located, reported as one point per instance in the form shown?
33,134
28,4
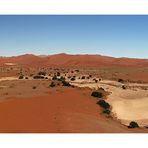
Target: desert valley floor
67,97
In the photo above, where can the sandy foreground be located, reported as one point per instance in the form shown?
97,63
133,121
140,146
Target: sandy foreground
127,105
52,110
63,109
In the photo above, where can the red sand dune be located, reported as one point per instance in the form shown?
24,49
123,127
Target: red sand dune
68,110
66,60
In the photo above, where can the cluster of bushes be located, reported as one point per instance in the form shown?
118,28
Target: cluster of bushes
102,103
23,77
38,77
62,80
105,106
41,73
96,94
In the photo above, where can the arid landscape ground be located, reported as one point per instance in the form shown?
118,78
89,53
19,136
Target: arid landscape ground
73,94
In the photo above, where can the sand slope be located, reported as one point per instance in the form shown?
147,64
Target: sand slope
128,105
66,110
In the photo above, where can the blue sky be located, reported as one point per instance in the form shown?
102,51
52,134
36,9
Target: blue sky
119,36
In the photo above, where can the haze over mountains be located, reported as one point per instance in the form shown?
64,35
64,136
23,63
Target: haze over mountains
67,60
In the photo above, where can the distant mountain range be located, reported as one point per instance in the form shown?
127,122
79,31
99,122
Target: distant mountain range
67,60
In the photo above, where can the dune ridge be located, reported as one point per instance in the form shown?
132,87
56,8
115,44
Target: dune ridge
67,60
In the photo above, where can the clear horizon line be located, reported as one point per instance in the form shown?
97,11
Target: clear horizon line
35,54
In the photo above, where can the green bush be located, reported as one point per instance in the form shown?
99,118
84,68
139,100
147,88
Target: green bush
97,94
133,124
103,104
65,83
